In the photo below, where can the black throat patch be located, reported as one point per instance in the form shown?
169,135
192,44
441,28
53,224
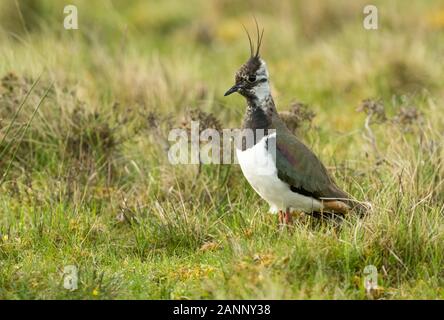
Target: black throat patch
259,120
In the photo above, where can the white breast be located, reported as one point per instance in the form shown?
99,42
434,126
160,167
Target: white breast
259,168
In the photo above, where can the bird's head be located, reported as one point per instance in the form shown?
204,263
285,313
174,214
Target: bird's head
251,79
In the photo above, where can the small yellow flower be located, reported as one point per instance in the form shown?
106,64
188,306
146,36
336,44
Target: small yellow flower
436,19
248,232
210,246
5,237
95,292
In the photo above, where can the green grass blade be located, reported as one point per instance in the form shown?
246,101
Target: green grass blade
24,132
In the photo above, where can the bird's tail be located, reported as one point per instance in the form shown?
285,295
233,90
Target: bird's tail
346,205
360,207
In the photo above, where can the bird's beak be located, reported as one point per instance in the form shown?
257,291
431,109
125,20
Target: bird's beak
233,89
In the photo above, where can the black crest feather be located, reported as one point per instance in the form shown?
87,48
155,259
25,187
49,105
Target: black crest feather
259,38
260,35
249,40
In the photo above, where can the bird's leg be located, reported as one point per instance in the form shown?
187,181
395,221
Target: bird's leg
288,217
285,218
281,218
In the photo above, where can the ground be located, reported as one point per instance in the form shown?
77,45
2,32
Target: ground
85,181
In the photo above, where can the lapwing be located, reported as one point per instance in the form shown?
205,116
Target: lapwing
289,176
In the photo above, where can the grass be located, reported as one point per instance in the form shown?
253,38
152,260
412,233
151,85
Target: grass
86,182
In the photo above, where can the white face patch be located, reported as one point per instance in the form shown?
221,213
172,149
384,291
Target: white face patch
262,71
262,89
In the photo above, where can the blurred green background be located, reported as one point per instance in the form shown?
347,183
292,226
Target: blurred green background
318,52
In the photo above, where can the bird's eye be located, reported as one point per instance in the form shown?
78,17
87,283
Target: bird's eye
251,78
